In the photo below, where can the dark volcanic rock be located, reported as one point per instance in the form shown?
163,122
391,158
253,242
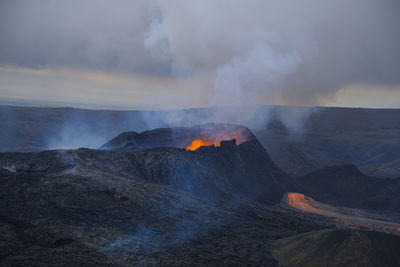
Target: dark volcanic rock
160,205
145,204
338,248
346,186
209,171
180,137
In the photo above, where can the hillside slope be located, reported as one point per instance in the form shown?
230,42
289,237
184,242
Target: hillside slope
149,206
338,248
346,185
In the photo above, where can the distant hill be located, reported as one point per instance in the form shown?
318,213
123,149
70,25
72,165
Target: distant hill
367,138
345,185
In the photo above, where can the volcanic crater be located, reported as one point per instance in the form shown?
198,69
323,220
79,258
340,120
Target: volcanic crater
148,198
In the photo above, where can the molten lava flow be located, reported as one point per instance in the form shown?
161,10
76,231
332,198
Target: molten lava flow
345,216
206,141
215,140
196,144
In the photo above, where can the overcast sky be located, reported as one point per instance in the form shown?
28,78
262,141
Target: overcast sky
174,54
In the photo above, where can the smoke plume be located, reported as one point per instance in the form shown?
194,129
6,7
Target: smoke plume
256,51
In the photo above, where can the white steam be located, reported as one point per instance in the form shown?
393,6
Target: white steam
260,72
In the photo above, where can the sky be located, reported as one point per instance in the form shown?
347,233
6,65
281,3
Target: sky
149,54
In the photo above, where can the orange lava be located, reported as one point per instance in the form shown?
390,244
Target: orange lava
196,144
208,141
345,216
294,197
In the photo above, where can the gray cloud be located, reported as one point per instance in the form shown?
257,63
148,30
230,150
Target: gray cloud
254,51
337,42
79,34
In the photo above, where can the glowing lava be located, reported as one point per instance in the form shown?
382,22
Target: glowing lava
196,144
206,141
215,139
345,216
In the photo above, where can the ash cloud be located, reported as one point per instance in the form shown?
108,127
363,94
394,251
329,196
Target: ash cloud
78,34
330,43
322,44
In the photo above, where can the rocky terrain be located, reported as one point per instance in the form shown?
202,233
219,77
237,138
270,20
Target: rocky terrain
334,247
346,185
144,199
144,206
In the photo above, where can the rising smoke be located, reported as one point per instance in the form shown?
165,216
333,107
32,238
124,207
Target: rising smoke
279,52
223,53
292,52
